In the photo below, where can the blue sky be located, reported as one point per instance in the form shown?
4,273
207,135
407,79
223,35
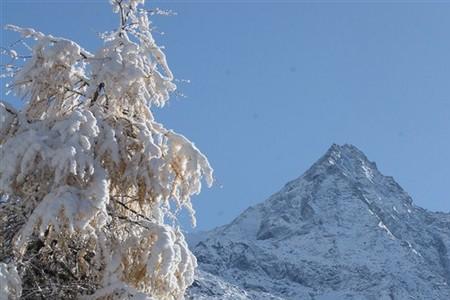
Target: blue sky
274,84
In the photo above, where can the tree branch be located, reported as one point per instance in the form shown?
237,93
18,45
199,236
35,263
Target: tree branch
132,210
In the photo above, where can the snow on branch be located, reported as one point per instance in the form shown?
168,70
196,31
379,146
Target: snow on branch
91,174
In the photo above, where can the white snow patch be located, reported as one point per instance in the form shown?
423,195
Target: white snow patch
10,283
367,171
413,250
382,226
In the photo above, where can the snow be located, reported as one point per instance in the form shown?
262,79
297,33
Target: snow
325,235
382,226
7,116
87,160
10,283
367,171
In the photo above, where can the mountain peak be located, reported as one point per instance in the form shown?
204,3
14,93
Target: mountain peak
347,150
342,230
343,168
348,160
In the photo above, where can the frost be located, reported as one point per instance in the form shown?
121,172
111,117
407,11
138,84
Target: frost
10,283
7,117
93,177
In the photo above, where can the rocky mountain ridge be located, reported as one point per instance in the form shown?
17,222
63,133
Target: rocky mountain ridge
342,230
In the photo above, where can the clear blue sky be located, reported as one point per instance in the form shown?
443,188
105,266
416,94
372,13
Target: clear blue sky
274,84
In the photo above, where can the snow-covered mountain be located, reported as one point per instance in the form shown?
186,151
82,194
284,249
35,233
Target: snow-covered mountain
342,230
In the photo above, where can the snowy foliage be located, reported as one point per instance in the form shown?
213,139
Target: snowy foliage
10,284
92,179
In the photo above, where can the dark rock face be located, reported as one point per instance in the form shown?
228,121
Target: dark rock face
340,231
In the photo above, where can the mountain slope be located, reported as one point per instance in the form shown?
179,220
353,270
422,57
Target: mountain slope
340,231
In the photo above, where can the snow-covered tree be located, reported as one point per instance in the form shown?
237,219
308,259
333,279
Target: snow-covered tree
90,183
